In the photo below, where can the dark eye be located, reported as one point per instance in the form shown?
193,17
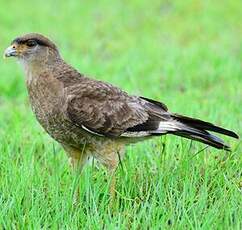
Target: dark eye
31,43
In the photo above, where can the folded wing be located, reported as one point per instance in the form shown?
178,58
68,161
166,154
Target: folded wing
105,110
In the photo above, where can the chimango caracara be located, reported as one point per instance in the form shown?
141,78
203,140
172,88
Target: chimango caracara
93,118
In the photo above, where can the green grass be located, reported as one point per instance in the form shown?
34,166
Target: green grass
184,53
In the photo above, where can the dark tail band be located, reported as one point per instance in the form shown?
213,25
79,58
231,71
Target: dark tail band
197,130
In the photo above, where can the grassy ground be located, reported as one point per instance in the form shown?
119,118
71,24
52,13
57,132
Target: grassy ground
185,53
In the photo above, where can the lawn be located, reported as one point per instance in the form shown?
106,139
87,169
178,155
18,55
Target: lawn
186,54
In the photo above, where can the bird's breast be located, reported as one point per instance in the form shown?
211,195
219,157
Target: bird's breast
45,94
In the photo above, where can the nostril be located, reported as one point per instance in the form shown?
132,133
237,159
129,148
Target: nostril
14,47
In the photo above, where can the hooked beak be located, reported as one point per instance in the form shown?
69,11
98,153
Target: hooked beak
10,52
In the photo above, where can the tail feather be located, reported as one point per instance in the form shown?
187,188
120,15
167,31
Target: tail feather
199,124
196,130
209,139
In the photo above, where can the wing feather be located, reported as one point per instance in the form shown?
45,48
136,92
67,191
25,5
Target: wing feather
103,108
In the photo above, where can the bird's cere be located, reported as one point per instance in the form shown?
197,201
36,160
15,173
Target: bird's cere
9,52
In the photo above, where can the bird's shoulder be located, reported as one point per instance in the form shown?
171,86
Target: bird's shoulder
78,84
95,89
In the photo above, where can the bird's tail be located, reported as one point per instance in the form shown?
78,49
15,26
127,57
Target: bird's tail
196,130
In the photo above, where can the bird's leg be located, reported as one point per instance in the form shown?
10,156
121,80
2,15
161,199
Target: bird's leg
77,160
112,185
75,164
111,173
110,155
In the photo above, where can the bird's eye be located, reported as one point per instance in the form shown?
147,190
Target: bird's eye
31,43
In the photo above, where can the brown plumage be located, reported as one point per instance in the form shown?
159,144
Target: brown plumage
93,118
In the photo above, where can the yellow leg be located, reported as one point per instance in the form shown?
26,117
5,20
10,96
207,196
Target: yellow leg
110,156
112,186
77,172
77,160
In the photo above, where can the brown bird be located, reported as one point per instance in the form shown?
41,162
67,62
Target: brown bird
91,118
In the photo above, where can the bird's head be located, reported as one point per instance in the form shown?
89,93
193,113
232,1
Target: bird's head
31,48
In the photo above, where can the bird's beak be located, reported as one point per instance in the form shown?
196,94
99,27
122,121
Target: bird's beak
10,52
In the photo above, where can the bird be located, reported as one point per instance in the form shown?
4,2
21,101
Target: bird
92,118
